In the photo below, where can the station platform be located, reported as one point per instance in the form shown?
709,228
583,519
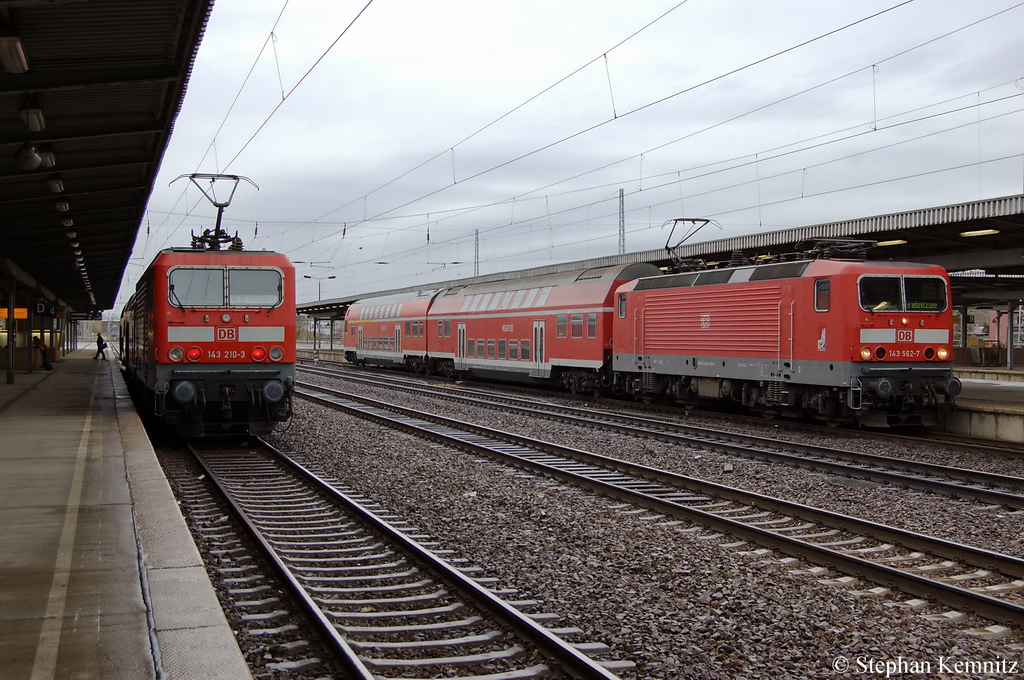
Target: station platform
991,405
99,576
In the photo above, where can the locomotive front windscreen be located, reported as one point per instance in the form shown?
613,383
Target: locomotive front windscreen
903,293
207,287
254,287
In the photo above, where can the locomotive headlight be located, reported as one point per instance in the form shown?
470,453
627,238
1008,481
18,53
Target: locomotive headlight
929,353
175,354
273,391
276,353
194,354
904,321
258,354
942,353
184,392
865,353
880,353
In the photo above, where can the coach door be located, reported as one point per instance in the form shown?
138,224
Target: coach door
398,338
538,348
460,349
786,322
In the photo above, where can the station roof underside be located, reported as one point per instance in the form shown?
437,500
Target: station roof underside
980,243
96,105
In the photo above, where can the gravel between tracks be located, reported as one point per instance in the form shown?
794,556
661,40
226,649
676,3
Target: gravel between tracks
677,605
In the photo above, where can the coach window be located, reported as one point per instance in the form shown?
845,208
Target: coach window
822,295
447,328
577,326
191,287
513,350
591,325
524,350
471,348
518,300
542,297
440,328
501,349
490,349
408,329
622,305
562,326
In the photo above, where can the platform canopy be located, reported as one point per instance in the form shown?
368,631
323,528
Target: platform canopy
89,91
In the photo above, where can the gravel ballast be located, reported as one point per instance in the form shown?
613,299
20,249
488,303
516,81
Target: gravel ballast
659,592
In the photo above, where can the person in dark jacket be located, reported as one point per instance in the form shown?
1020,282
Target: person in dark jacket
101,345
44,351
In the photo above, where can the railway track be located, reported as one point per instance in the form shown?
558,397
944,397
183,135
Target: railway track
950,481
958,576
382,600
948,440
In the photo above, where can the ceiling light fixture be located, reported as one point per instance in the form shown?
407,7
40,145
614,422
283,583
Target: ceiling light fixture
63,206
12,54
32,116
48,158
68,222
979,232
27,157
894,242
56,184
70,234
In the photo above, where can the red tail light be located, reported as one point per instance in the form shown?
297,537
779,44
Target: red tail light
258,354
194,354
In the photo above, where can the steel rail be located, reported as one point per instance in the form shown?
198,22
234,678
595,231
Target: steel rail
573,661
987,606
764,448
346,655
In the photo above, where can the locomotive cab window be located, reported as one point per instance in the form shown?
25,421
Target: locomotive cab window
822,295
903,294
254,288
622,305
881,294
925,294
193,287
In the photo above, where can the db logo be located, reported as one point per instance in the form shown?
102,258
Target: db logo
227,334
705,321
904,335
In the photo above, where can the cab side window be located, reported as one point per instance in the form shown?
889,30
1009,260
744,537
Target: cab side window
822,295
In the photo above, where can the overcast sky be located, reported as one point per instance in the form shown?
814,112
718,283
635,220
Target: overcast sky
430,120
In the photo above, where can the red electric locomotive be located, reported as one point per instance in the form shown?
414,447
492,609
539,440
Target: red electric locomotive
209,339
830,339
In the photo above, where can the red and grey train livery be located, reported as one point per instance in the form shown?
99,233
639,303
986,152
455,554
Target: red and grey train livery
830,339
208,339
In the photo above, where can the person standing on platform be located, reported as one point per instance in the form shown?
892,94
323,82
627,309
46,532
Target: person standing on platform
44,351
101,345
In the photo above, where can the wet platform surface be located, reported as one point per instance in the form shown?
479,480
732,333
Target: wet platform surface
99,577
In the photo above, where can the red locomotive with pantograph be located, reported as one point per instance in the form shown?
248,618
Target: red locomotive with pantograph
208,339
